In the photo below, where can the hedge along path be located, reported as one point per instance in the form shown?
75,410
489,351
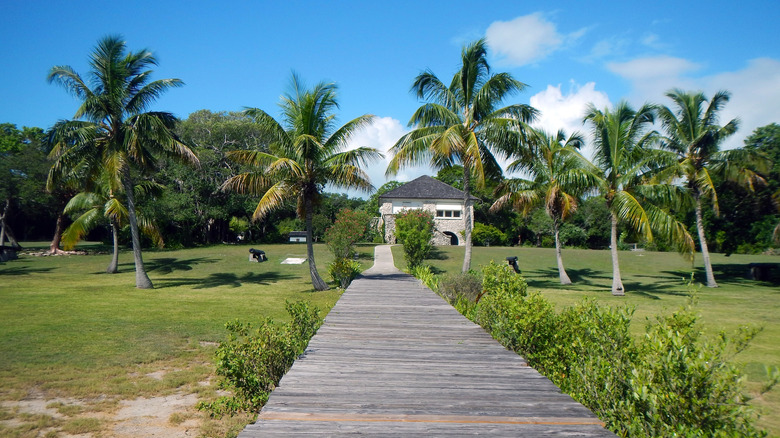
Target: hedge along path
392,357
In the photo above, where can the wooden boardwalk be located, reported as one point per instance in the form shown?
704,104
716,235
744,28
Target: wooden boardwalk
394,359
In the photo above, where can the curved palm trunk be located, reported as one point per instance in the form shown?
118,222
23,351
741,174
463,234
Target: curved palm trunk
113,267
142,280
467,219
559,257
316,280
54,246
705,253
617,282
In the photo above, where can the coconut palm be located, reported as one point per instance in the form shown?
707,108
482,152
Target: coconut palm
102,204
694,136
464,124
620,137
111,131
306,153
558,176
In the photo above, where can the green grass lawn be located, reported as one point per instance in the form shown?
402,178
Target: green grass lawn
69,329
655,283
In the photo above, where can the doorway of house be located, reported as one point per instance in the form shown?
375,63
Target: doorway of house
453,237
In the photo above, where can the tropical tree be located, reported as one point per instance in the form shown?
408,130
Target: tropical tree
464,124
558,176
102,203
694,136
625,161
306,153
112,131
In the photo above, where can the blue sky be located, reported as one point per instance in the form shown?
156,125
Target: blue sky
241,53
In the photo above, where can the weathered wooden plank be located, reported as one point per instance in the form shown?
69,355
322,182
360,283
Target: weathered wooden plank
392,358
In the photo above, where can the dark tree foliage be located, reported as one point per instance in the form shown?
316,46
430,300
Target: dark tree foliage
32,212
193,210
747,219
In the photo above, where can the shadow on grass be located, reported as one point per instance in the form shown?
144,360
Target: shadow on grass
437,254
225,279
22,270
166,265
735,273
548,278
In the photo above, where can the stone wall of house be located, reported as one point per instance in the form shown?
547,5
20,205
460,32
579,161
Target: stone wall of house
455,226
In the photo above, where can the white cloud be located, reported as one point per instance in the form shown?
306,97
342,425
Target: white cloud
559,111
525,39
755,89
382,134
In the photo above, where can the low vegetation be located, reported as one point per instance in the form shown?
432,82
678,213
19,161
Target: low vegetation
649,364
85,342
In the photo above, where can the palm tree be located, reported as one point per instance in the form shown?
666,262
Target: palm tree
559,175
694,136
306,154
111,130
102,203
620,138
463,124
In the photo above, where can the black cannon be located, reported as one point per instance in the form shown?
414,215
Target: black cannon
512,261
257,255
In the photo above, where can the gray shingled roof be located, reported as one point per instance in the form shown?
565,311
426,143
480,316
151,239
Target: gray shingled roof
425,187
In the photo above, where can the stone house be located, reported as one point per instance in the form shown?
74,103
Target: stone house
443,200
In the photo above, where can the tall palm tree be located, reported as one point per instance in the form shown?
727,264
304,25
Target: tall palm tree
100,204
463,123
558,176
620,137
111,130
306,154
694,136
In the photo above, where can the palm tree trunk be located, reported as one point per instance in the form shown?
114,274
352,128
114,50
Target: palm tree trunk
113,267
316,280
559,256
142,280
467,218
705,253
54,246
617,283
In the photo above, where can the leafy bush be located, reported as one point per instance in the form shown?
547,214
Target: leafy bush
673,381
424,274
486,235
414,229
349,228
253,360
461,286
343,271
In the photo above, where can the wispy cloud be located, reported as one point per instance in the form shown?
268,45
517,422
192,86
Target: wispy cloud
565,111
526,39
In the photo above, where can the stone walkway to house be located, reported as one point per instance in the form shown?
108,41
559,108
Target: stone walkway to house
394,359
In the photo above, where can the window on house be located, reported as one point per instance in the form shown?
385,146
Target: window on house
453,214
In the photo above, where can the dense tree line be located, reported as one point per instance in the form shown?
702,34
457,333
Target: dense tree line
113,158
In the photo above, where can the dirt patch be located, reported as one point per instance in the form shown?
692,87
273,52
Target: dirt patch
133,418
151,417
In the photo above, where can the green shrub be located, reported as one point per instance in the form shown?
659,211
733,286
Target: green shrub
253,360
343,271
348,229
487,235
461,286
414,229
424,274
674,381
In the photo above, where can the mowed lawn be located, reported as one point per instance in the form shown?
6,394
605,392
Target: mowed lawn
67,329
655,284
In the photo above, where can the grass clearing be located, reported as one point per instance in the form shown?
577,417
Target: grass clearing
69,330
655,283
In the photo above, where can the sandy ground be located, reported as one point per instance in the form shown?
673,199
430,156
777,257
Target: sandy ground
141,417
